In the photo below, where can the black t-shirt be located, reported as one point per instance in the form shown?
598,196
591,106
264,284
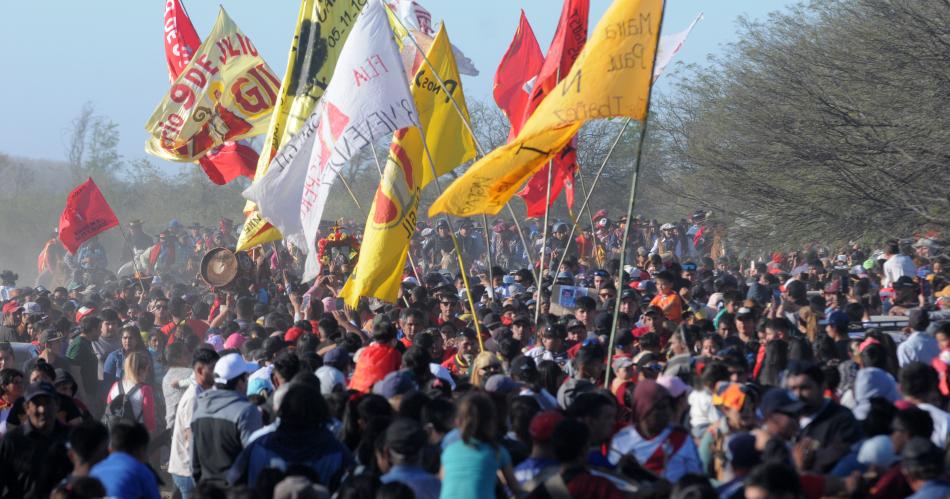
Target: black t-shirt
32,463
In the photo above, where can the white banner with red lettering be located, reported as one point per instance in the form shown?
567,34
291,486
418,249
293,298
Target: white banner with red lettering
367,98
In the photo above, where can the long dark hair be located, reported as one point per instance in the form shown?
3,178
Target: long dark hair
359,410
476,419
776,360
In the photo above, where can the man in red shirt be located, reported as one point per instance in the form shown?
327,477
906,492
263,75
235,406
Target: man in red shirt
178,309
411,321
460,363
377,359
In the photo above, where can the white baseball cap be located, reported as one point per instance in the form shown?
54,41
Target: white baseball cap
231,366
330,377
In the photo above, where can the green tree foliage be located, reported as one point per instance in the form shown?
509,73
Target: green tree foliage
828,121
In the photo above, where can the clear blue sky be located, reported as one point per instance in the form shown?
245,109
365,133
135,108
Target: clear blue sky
109,52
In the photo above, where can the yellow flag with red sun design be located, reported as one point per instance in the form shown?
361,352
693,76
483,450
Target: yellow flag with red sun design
392,219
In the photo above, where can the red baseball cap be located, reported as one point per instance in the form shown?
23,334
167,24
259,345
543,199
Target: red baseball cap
543,423
11,306
292,334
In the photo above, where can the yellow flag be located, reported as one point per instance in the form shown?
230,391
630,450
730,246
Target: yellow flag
322,27
225,93
392,218
611,77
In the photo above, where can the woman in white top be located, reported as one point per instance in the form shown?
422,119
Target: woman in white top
136,369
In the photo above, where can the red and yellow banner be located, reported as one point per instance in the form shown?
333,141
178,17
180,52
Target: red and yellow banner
225,93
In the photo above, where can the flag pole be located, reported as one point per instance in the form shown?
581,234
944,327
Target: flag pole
544,233
544,242
135,266
491,271
597,177
590,215
633,199
458,249
471,132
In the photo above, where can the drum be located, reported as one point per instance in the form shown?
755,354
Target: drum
222,268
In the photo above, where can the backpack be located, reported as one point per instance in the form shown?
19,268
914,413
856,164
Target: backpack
120,408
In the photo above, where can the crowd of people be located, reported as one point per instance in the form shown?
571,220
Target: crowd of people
803,374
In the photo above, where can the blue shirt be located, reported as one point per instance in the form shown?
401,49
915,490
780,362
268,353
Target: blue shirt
918,347
114,364
124,476
932,490
423,484
469,471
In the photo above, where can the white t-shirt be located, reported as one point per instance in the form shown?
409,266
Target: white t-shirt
941,421
898,266
179,459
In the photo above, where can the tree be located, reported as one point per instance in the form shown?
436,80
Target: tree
92,149
826,122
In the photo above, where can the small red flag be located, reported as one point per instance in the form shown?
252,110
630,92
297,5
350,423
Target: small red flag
233,159
87,213
517,68
229,161
568,41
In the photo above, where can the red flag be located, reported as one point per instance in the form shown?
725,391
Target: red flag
518,67
181,39
568,41
87,213
562,177
231,160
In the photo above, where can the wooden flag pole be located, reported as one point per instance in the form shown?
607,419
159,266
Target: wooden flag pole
630,205
544,242
458,249
587,196
584,191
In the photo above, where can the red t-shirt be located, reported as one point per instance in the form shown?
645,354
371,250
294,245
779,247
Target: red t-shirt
374,363
198,327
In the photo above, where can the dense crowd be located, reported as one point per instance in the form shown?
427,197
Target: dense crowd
810,373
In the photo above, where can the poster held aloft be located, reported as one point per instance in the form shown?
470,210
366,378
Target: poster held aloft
564,298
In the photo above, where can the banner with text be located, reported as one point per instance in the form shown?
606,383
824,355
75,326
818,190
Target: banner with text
322,28
225,93
367,98
610,78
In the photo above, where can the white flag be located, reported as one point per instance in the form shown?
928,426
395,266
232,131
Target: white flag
669,45
367,98
418,21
